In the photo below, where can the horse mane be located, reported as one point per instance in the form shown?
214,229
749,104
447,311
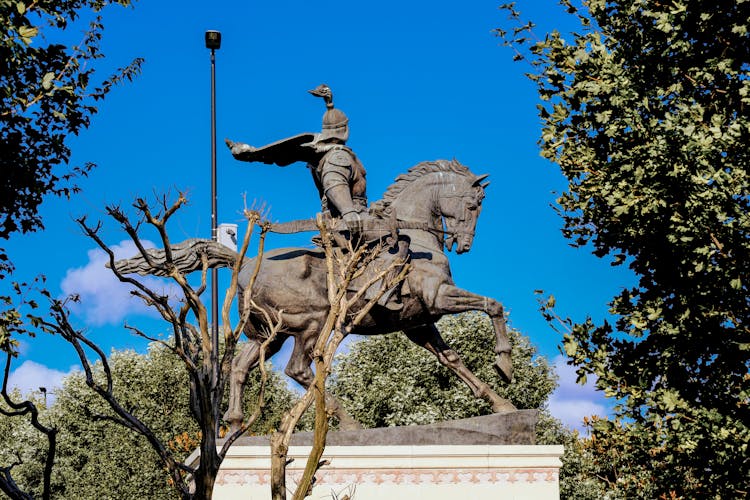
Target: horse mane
382,206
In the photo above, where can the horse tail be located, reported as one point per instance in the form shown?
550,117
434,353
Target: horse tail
186,257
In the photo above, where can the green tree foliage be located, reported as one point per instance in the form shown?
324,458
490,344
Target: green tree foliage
97,458
18,429
388,380
48,91
646,110
48,87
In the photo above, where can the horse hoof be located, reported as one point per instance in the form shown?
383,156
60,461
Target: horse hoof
503,406
349,424
504,366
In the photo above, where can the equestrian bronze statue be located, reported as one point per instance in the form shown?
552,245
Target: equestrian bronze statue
435,206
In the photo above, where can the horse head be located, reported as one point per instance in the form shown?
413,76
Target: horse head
460,204
444,193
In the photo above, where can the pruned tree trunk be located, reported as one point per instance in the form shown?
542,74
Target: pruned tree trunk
342,268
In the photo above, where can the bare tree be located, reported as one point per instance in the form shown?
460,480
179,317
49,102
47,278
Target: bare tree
191,342
14,322
191,338
19,409
342,268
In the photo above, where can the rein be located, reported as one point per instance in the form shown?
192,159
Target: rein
435,230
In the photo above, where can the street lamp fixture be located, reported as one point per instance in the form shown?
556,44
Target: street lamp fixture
213,40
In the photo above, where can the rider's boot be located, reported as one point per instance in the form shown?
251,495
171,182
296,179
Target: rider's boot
391,299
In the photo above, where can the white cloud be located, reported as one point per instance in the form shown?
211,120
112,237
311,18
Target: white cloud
30,376
571,401
103,298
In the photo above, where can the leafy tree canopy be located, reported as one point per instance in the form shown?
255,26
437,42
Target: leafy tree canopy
646,110
388,380
98,458
47,93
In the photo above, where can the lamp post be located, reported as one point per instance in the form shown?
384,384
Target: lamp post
213,42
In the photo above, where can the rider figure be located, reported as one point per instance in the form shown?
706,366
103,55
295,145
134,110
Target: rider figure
339,176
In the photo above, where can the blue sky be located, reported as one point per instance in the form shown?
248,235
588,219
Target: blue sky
419,81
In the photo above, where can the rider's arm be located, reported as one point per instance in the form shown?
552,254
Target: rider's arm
239,150
338,196
335,179
281,153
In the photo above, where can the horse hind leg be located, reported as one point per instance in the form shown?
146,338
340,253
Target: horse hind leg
299,370
242,364
451,299
427,336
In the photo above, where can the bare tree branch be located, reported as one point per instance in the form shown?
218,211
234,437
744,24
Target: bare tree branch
351,266
7,484
93,233
261,400
342,266
76,338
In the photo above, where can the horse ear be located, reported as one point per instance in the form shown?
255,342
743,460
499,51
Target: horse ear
480,178
484,185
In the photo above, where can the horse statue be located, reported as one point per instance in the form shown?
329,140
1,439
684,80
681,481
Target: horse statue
446,198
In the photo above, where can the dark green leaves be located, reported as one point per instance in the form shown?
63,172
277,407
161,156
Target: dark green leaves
645,111
45,96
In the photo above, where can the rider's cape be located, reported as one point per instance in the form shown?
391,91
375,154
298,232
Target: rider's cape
283,152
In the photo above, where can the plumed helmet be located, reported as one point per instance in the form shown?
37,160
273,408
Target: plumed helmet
335,125
335,121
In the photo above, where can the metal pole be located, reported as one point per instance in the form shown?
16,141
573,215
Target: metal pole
214,271
213,41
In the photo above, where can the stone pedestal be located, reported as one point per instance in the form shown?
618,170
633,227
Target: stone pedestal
410,472
490,457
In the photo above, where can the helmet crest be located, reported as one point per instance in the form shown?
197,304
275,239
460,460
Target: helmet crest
335,121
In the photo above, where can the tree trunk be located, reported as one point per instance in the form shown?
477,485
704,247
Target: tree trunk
210,461
278,466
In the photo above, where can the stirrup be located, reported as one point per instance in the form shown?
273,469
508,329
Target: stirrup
391,300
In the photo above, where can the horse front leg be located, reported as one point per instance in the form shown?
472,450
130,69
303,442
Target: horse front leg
242,364
299,369
451,299
429,337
